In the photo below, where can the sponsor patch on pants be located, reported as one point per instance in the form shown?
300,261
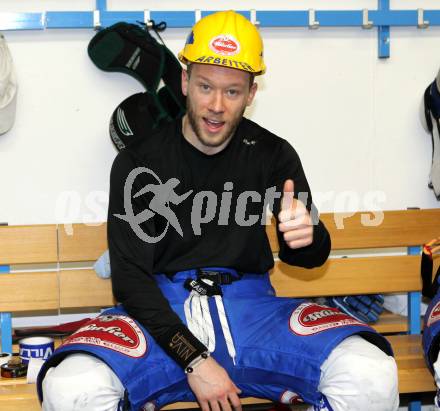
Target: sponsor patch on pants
310,318
434,315
115,332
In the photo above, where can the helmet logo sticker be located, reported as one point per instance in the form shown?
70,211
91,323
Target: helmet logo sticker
225,45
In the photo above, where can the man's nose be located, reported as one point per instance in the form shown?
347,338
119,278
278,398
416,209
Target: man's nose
217,102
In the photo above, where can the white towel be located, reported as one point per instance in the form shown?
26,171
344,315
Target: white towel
8,88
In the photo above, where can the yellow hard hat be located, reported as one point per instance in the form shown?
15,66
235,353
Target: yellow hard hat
225,38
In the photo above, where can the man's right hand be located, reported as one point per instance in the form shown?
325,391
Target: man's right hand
213,388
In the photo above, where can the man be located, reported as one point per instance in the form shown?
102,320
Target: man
207,324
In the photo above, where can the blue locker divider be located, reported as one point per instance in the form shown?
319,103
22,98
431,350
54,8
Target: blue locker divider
414,300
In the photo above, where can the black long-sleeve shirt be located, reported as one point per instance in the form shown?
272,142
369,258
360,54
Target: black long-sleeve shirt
210,229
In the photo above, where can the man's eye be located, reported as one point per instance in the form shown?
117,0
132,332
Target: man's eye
232,92
205,87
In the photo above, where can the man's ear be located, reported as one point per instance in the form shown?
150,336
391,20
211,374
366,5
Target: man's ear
252,92
185,79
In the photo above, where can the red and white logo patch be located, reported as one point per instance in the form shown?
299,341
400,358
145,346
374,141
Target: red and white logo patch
225,45
116,332
434,316
290,397
310,318
149,406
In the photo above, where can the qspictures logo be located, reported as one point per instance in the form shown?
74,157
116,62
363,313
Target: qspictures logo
163,195
91,209
203,210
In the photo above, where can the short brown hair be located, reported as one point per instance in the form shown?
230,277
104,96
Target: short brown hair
251,75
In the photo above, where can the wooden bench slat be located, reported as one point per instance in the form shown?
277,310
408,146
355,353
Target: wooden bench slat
12,381
400,344
22,397
413,374
345,276
401,228
416,380
28,244
186,405
86,243
29,291
83,288
391,323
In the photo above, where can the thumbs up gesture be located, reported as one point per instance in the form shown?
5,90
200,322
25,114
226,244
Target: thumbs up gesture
295,221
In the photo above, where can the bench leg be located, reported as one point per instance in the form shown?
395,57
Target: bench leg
6,332
5,322
414,300
414,406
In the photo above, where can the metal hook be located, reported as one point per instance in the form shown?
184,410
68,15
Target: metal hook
421,23
198,14
43,19
254,20
96,20
147,19
313,24
366,24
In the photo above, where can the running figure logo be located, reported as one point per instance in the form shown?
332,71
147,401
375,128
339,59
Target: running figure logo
163,195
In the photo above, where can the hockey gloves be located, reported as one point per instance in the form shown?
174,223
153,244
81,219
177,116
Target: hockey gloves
365,308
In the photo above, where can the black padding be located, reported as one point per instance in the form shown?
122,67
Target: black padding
136,117
130,49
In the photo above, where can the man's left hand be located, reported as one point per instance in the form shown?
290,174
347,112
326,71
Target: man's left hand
295,221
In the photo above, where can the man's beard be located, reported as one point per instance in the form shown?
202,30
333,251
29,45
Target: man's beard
228,132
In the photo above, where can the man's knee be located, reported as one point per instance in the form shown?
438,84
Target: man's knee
359,376
436,367
81,382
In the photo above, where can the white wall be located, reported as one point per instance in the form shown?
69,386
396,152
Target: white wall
353,118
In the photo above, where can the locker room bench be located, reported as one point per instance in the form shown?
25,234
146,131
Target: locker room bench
58,286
